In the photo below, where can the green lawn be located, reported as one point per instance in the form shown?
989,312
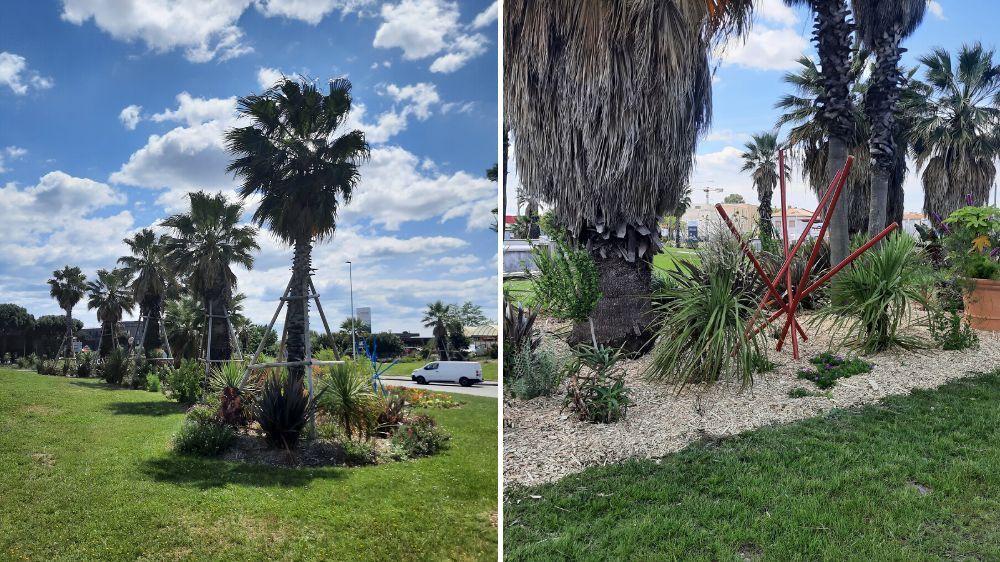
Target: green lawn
85,474
405,369
916,477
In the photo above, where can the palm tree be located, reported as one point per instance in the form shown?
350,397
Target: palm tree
438,315
954,133
832,34
605,100
761,160
185,322
110,295
290,155
882,26
682,206
150,277
68,286
204,244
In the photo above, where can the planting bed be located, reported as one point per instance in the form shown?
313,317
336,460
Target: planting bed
543,444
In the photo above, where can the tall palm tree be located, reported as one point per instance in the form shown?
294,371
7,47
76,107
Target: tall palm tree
292,157
150,276
760,158
832,34
882,27
437,315
204,244
954,135
605,100
110,295
185,322
682,206
68,286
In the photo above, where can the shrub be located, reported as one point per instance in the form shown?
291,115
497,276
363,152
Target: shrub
953,332
235,396
84,364
359,453
419,436
599,395
283,410
533,373
25,362
347,396
115,366
568,284
702,315
830,367
202,434
872,298
184,382
6,359
152,382
518,332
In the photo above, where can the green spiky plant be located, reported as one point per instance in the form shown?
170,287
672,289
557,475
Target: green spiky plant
235,394
283,410
348,397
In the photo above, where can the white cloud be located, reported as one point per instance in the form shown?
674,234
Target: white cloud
195,111
205,29
423,28
765,49
421,97
726,135
776,11
458,107
309,11
486,17
54,200
395,189
10,154
267,77
130,116
15,74
934,7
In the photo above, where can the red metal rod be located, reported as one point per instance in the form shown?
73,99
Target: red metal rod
849,259
753,259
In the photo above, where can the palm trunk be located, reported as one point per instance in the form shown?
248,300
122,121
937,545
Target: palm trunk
840,237
107,335
217,342
623,314
69,332
298,308
503,192
765,211
880,105
151,338
678,233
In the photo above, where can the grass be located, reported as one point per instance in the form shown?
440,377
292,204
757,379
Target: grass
88,468
405,369
521,289
916,477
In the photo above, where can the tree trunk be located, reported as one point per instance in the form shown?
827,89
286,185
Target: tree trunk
764,194
880,107
298,308
840,237
678,232
623,314
151,338
503,192
879,201
107,337
69,333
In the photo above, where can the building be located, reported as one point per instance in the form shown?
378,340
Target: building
798,219
364,315
91,337
703,221
911,220
482,337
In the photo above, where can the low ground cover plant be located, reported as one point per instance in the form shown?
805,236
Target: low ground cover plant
830,367
420,398
203,433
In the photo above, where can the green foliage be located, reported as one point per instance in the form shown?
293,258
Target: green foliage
359,453
518,333
184,383
830,367
419,436
202,434
872,299
85,364
390,411
702,316
568,285
116,366
951,331
973,234
152,382
347,396
532,373
598,394
282,410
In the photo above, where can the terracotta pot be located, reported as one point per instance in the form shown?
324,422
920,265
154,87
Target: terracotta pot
982,305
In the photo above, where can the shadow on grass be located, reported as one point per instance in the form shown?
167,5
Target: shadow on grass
155,408
95,384
205,473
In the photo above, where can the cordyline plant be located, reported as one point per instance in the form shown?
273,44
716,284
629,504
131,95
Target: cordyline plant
605,100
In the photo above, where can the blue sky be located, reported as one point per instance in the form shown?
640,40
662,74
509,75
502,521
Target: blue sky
111,111
748,81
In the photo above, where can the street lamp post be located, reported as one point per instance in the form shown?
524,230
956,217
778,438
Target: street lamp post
354,344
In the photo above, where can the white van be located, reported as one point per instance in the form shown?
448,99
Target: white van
465,373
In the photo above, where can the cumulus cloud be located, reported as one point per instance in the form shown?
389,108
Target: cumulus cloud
130,116
765,49
15,74
309,11
776,11
267,77
10,154
934,7
486,17
195,111
420,97
424,28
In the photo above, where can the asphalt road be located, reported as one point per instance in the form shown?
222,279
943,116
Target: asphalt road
487,389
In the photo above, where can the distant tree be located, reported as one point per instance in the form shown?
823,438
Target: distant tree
458,342
185,321
254,333
437,315
68,286
388,345
760,158
734,199
110,295
14,321
470,314
150,276
358,326
49,332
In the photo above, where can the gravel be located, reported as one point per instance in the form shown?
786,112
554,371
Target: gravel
542,444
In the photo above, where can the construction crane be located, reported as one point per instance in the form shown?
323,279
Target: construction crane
710,189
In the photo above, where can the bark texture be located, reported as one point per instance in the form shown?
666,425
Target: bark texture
69,333
298,309
880,107
623,314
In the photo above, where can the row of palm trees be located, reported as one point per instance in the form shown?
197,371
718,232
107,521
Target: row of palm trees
291,159
949,122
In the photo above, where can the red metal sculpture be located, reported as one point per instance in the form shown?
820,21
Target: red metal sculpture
788,303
